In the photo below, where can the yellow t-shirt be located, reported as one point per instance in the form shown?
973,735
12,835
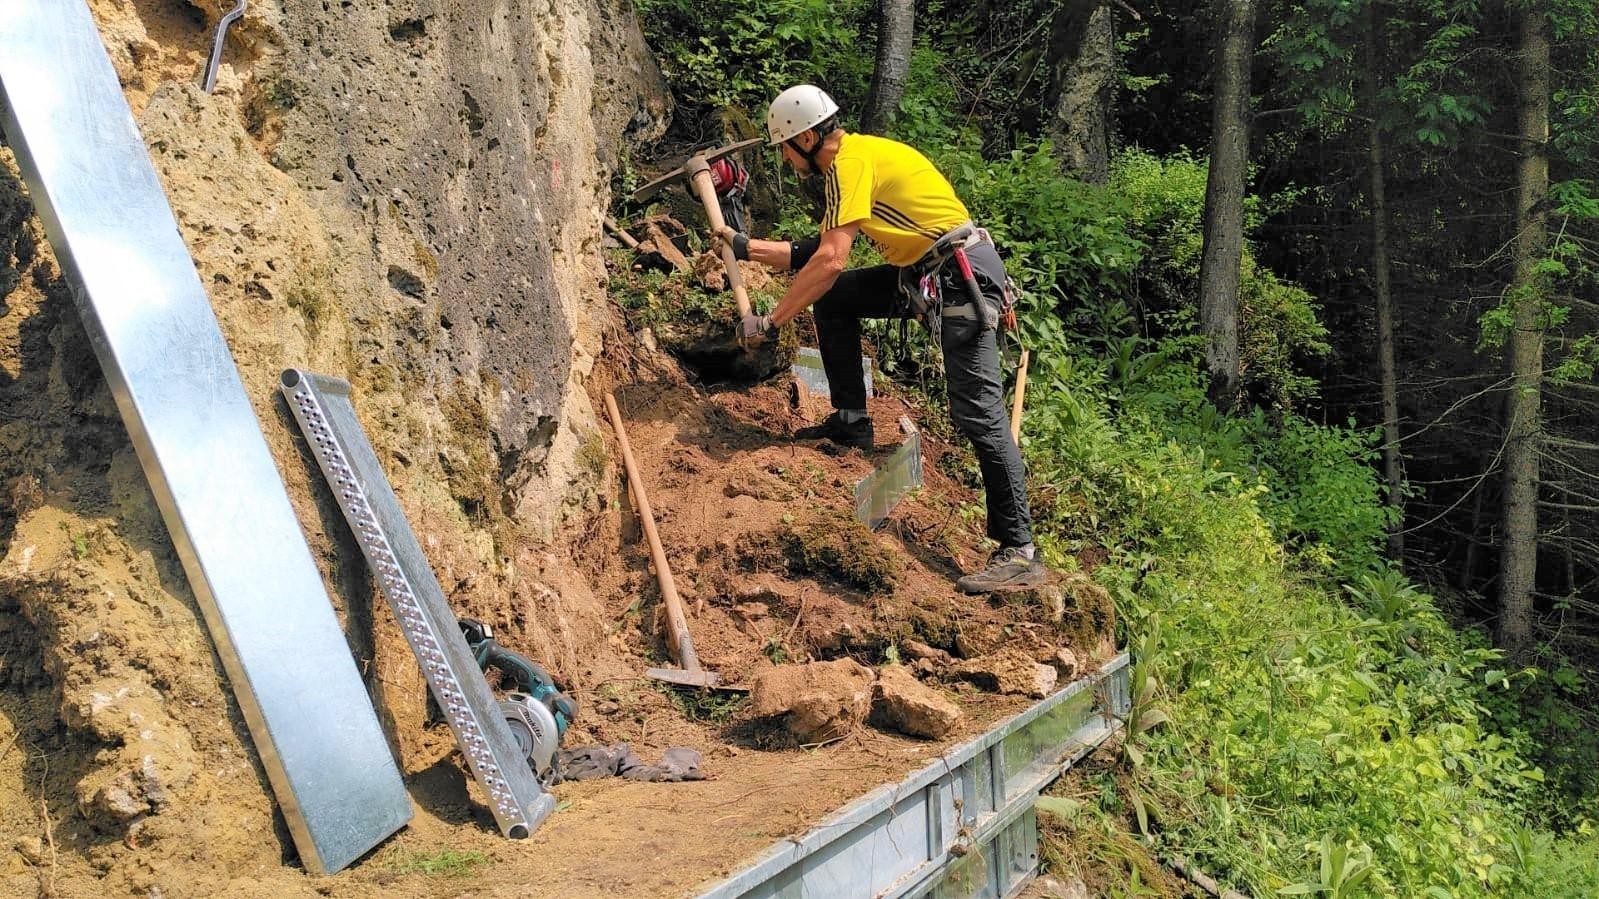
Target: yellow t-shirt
901,202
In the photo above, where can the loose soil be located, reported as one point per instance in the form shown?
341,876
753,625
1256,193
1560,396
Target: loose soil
125,765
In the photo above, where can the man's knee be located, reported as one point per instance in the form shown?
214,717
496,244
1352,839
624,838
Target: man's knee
983,427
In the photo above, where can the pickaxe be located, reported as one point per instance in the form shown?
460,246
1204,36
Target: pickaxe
690,674
698,171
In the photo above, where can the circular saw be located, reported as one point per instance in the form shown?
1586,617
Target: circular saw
537,712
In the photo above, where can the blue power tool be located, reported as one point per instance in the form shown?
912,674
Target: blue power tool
535,708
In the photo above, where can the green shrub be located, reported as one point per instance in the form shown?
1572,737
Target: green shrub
1299,720
1323,494
1279,324
722,54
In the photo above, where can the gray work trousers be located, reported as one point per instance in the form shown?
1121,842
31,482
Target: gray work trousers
971,370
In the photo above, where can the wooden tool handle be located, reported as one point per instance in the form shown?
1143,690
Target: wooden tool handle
713,211
627,239
676,623
1016,404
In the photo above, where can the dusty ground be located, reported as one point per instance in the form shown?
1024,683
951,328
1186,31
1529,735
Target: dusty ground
125,766
724,477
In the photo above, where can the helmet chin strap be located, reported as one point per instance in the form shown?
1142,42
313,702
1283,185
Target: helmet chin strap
810,155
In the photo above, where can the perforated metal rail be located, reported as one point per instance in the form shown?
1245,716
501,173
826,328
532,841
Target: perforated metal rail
321,406
963,827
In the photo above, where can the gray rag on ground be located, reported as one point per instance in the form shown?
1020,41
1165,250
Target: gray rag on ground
617,760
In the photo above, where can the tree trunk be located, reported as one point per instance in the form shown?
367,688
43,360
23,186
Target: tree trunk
1084,66
1392,471
896,29
1224,200
1468,568
1519,563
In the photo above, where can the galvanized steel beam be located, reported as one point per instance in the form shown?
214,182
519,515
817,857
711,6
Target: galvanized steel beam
961,827
196,435
322,407
808,370
878,493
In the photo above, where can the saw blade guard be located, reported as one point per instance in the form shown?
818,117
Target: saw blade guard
534,727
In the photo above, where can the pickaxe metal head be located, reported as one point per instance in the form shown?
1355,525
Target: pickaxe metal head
696,162
683,677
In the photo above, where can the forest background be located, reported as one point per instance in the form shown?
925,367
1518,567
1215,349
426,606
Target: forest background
1309,292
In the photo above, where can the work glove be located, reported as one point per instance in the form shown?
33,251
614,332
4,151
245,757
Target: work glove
738,240
756,328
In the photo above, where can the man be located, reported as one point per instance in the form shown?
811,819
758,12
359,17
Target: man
940,268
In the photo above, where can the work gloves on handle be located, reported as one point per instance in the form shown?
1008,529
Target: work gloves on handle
738,240
757,328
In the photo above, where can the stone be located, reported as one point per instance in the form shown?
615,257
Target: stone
1010,671
915,649
31,849
1065,662
1049,596
819,701
905,704
658,242
1047,887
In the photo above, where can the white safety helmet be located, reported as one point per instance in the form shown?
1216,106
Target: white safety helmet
797,110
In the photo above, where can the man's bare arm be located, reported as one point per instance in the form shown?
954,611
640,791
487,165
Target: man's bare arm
771,253
818,275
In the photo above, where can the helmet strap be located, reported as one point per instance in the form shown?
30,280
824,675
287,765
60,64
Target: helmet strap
821,131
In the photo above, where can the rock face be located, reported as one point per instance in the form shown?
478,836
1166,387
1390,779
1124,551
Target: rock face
406,195
819,701
464,152
907,705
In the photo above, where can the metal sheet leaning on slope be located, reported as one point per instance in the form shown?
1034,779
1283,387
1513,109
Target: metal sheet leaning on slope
179,392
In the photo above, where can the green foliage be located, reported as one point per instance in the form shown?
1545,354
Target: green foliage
1144,714
1295,719
1067,242
1343,870
1279,322
924,108
1562,869
720,53
1322,494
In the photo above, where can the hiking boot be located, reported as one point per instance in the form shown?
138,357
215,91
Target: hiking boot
854,433
1009,567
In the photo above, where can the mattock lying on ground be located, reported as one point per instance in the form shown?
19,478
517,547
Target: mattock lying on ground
682,643
697,169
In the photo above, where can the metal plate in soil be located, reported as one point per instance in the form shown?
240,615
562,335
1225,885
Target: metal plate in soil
962,827
878,493
808,371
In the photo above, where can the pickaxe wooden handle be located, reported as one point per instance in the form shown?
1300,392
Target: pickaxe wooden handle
698,171
682,644
1016,407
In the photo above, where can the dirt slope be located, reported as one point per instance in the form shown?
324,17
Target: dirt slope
407,194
